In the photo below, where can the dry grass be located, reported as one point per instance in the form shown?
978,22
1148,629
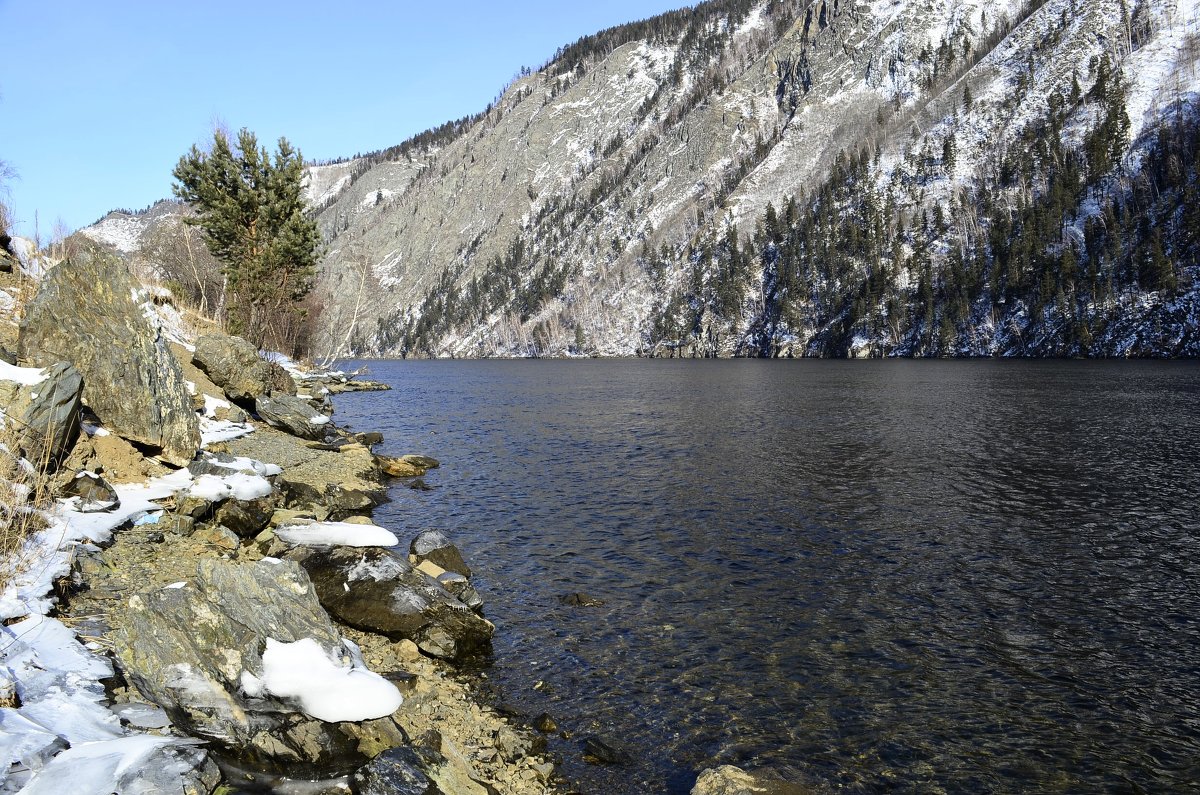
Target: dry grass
25,489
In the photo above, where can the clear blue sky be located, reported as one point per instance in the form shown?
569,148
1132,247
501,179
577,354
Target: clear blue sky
98,100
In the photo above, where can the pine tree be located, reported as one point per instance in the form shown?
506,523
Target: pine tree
949,153
252,211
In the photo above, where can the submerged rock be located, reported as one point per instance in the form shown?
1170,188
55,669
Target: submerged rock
580,600
730,780
378,591
89,312
209,653
601,752
234,365
398,467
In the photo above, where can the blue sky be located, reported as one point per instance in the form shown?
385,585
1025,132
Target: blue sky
98,100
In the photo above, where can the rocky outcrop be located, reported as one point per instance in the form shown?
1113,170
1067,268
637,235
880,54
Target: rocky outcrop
88,312
234,365
293,415
377,590
203,652
46,413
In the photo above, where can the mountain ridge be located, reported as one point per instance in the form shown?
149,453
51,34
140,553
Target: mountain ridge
589,210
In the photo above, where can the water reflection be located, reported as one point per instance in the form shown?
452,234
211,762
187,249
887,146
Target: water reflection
967,576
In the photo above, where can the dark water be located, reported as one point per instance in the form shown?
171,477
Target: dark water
883,577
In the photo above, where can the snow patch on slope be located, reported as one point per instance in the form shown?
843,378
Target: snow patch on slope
121,232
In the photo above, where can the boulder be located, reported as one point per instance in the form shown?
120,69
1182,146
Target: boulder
378,591
220,655
435,546
327,501
46,406
461,588
398,771
234,365
246,518
92,492
293,415
90,312
422,461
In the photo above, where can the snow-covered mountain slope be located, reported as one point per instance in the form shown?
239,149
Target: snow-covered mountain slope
803,177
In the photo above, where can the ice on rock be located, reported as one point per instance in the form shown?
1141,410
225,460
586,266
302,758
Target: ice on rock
385,569
138,764
324,687
26,744
142,716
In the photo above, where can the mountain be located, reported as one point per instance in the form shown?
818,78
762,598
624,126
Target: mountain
828,178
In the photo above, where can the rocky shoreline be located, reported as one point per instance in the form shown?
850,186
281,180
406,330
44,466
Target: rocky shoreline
440,713
202,604
247,628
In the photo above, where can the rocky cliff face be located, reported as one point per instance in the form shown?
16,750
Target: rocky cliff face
653,190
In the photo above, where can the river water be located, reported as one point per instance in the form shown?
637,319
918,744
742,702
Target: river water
966,576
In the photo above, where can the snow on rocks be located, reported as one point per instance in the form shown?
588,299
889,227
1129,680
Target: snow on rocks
46,555
215,431
336,534
62,704
238,486
25,376
269,677
326,688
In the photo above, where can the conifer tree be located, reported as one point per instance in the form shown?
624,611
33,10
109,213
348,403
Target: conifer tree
252,211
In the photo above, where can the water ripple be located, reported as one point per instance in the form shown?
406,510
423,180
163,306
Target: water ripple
880,577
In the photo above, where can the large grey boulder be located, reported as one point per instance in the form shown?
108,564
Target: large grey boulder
377,590
46,413
293,415
197,650
234,365
90,312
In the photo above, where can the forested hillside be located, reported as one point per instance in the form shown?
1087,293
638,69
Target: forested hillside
794,178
